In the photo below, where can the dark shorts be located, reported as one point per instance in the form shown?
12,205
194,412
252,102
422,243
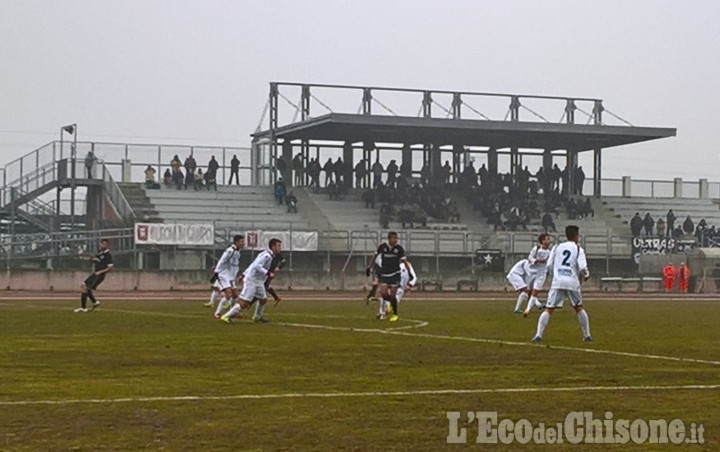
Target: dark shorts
93,281
393,280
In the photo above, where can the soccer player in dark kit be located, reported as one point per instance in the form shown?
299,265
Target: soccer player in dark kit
103,263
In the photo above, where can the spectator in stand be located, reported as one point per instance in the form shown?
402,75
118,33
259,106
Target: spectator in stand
339,170
313,172
447,172
392,171
670,217
688,226
291,202
281,165
483,174
279,191
648,224
377,170
178,178
406,217
199,179
212,170
660,227
189,178
167,178
425,175
360,173
234,170
636,225
190,166
548,223
150,178
585,208
678,232
89,162
579,180
368,197
571,209
175,163
299,167
328,169
211,177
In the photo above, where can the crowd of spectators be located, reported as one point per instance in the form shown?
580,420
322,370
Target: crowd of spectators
192,176
646,226
509,201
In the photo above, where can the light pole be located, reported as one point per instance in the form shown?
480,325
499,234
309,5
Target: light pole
71,130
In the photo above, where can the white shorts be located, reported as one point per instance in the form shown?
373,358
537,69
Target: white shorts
216,284
556,297
539,280
226,281
517,281
252,289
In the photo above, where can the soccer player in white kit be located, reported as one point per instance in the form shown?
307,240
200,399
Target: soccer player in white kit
518,277
537,269
228,269
408,279
568,264
254,283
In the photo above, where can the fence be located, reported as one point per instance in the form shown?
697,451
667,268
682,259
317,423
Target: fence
431,246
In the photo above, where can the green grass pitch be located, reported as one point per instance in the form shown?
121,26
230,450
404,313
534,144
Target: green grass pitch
163,374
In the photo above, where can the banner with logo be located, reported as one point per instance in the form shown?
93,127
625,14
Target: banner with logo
651,245
490,260
174,234
300,240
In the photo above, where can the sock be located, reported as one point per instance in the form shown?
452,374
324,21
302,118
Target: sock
259,309
213,297
584,323
521,299
233,311
533,301
373,291
91,296
221,305
83,299
542,323
383,307
394,304
537,303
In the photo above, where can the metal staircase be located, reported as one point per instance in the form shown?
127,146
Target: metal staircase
28,178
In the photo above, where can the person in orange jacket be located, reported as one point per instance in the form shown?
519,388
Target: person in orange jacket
683,275
669,276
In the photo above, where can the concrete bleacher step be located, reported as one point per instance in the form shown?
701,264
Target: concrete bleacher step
234,208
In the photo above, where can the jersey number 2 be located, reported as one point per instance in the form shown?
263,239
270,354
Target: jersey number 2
567,255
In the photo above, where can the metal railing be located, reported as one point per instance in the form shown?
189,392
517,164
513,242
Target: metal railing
116,196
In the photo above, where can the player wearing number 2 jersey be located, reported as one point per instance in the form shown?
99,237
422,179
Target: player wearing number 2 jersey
568,265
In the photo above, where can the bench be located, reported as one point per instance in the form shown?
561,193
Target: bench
428,285
467,285
641,282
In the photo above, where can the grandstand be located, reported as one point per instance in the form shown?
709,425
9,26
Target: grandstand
48,191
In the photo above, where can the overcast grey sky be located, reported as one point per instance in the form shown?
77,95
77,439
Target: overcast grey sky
198,72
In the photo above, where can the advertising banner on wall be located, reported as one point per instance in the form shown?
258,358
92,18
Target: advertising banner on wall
299,241
174,234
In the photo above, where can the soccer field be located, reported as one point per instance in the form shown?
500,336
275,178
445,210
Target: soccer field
326,375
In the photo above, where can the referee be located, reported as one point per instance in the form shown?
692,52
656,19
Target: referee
103,264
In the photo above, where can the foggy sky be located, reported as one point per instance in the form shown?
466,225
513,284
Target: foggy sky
198,72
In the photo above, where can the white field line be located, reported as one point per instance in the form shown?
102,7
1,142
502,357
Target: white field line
501,342
419,324
310,395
